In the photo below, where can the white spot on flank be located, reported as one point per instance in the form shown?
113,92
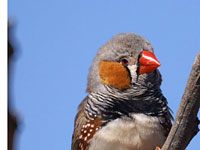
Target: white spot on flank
80,137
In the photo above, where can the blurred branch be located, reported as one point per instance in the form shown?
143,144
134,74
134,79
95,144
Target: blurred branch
12,120
186,124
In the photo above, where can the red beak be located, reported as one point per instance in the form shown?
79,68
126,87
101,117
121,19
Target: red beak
148,62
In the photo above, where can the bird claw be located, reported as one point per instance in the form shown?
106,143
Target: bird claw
157,148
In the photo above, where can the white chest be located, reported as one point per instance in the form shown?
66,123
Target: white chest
142,133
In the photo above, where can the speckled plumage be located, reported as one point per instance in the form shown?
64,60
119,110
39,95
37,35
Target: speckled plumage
123,110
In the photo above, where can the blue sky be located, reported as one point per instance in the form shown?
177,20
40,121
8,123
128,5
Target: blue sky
57,40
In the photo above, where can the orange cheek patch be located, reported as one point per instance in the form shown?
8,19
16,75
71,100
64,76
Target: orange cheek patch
114,74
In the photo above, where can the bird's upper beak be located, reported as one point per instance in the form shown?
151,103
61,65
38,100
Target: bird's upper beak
147,62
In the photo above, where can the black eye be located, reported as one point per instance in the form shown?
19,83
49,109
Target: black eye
124,61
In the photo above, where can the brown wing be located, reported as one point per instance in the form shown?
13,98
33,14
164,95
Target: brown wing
166,123
84,129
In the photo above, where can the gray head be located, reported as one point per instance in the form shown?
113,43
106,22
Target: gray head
126,62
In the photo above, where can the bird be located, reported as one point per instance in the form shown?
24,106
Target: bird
124,108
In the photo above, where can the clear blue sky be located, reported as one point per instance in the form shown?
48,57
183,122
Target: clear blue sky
58,40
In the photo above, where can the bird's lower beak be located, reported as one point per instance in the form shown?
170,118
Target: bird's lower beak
147,62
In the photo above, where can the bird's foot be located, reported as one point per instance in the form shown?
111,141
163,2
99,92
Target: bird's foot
157,148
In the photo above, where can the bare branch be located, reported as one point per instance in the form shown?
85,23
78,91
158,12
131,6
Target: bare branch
185,126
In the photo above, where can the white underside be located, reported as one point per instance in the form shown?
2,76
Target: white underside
142,133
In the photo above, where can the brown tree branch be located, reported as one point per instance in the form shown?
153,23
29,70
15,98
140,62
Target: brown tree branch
186,124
